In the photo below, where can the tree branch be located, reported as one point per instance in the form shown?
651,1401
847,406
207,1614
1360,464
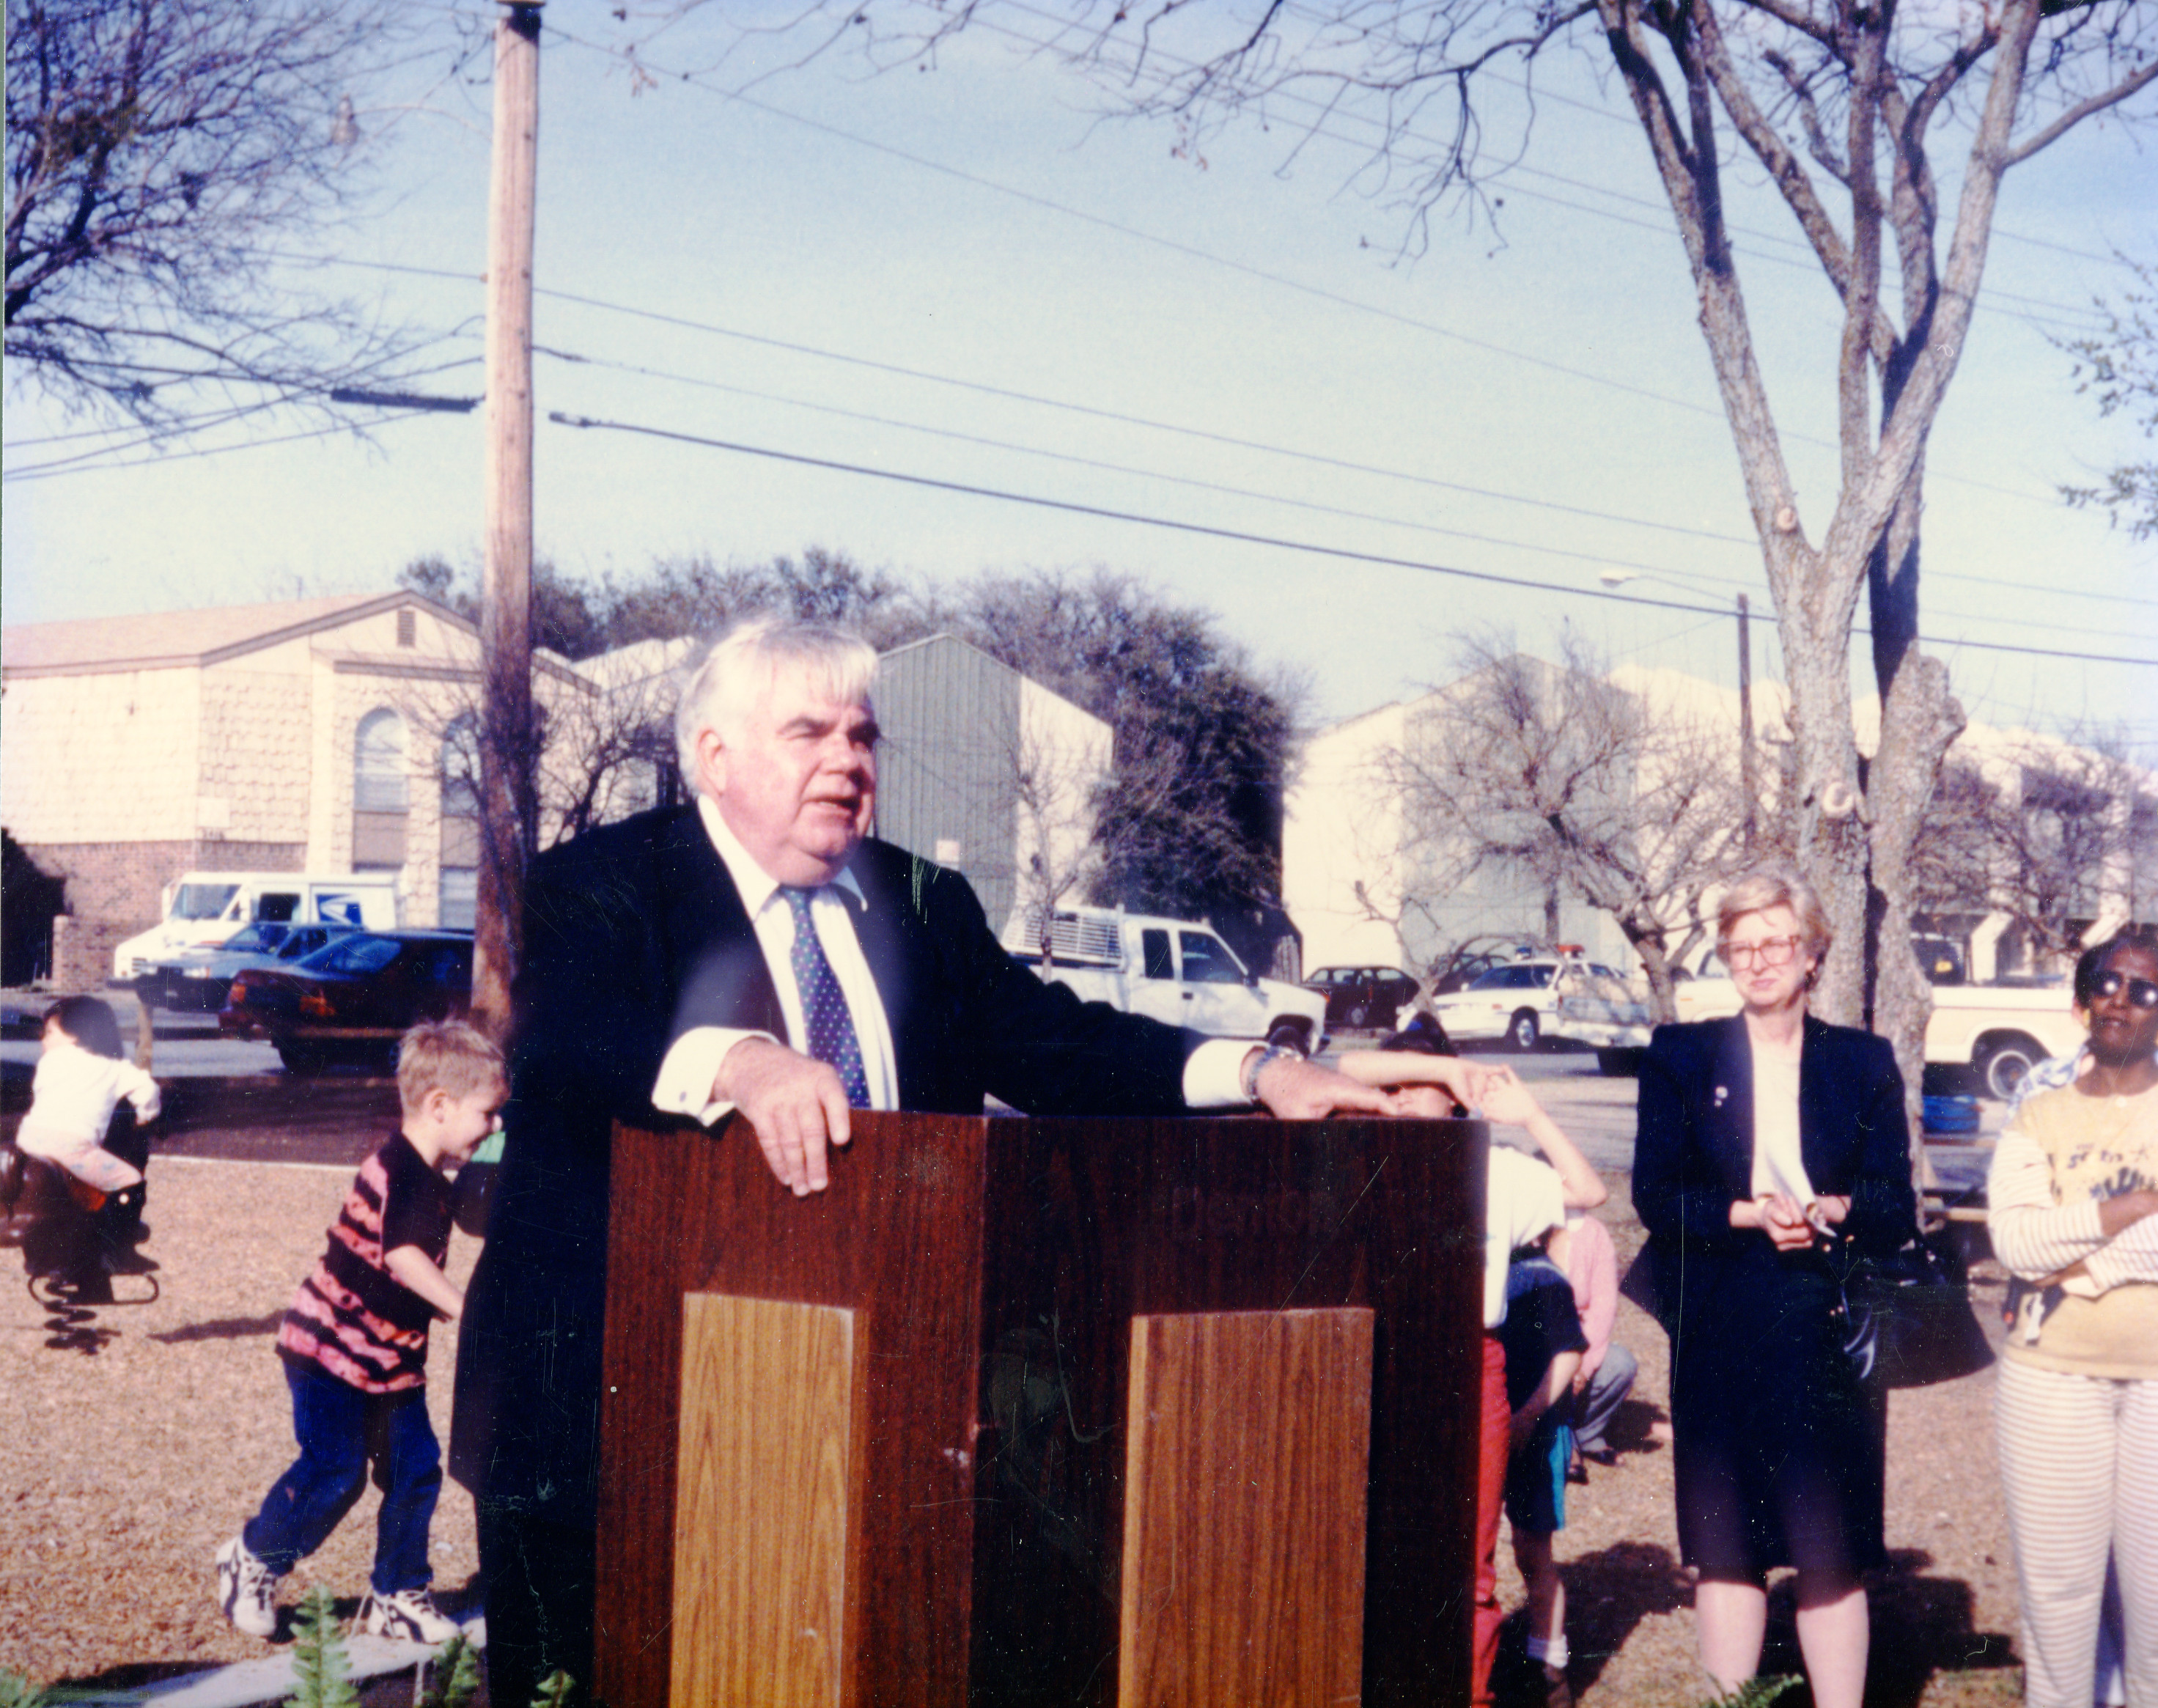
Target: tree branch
2076,115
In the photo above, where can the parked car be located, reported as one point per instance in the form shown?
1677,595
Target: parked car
1362,996
353,998
1464,970
1516,1001
1174,970
203,910
198,982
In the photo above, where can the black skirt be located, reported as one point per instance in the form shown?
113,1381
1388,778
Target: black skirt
1778,1445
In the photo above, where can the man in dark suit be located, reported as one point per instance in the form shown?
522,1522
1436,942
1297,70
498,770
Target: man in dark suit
755,952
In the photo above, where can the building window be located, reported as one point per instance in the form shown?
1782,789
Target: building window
458,855
408,627
460,905
378,770
378,791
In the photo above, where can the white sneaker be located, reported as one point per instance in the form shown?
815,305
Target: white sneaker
410,1614
247,1590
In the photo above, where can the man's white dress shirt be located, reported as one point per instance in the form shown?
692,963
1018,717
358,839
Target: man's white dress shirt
1213,1074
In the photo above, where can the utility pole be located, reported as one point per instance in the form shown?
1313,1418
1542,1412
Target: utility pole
507,759
1746,779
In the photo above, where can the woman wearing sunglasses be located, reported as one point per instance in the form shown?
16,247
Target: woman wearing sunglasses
2074,1211
1772,1144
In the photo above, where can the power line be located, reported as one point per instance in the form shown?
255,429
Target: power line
53,471
1803,259
1754,587
981,387
697,80
1246,538
1231,440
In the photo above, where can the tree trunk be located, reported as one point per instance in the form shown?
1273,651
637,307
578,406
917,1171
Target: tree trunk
1832,834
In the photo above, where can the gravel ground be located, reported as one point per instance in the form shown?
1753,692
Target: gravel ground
144,1440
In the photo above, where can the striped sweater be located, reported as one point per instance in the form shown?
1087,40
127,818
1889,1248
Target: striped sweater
351,1316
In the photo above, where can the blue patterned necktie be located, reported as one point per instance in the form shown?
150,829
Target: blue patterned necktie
824,1005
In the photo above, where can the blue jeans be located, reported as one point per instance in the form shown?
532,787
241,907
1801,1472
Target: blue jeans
340,1430
1613,1381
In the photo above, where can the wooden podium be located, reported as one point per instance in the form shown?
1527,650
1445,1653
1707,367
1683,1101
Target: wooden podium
1155,1412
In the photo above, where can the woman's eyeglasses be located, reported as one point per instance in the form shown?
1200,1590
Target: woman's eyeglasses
1775,951
2142,993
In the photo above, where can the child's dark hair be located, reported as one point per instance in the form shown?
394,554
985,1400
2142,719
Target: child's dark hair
2092,960
1423,1035
90,1022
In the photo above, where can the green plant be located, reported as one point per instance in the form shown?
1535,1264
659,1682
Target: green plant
555,1690
1754,1693
452,1676
17,1692
319,1657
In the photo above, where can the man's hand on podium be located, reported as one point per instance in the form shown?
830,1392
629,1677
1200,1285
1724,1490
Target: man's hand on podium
795,1104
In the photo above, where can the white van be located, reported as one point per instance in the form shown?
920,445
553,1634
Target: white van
202,909
1175,970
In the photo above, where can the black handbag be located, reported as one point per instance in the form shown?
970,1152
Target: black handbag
1907,1320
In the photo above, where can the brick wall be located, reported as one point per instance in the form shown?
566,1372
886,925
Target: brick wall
82,952
120,883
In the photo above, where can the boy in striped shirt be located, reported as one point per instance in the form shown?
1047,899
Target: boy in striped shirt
354,1344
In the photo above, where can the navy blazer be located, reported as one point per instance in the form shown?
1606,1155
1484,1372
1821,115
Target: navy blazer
1693,1156
634,933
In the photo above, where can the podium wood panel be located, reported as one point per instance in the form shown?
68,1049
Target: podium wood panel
763,1527
993,1268
1249,1437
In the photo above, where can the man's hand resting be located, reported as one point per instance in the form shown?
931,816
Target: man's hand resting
1297,1089
795,1104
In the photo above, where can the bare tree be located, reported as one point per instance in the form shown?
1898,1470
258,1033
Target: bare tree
2055,833
1188,821
1554,772
1053,786
2119,368
1843,106
160,152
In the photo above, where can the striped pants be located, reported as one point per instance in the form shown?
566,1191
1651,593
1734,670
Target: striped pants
2079,1465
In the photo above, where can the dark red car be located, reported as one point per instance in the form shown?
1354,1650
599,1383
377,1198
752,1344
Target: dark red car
351,1000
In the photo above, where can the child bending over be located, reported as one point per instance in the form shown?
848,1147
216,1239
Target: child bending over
354,1344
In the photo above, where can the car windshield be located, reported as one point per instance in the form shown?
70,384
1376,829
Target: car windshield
254,939
353,955
1207,960
202,900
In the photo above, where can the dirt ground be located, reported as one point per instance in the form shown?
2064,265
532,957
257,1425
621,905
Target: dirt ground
137,1444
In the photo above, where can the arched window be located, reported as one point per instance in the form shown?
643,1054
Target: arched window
459,767
378,763
379,793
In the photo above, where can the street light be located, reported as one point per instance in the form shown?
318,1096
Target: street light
1620,578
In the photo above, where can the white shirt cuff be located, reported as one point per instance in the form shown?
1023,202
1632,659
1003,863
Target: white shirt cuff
1214,1074
692,1066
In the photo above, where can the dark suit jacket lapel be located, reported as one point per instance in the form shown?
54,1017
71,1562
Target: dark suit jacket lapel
720,970
1731,1105
888,928
1823,1137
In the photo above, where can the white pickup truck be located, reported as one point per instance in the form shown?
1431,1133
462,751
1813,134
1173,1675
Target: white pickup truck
1173,970
2000,1031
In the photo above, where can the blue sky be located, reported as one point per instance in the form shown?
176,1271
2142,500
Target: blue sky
965,275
